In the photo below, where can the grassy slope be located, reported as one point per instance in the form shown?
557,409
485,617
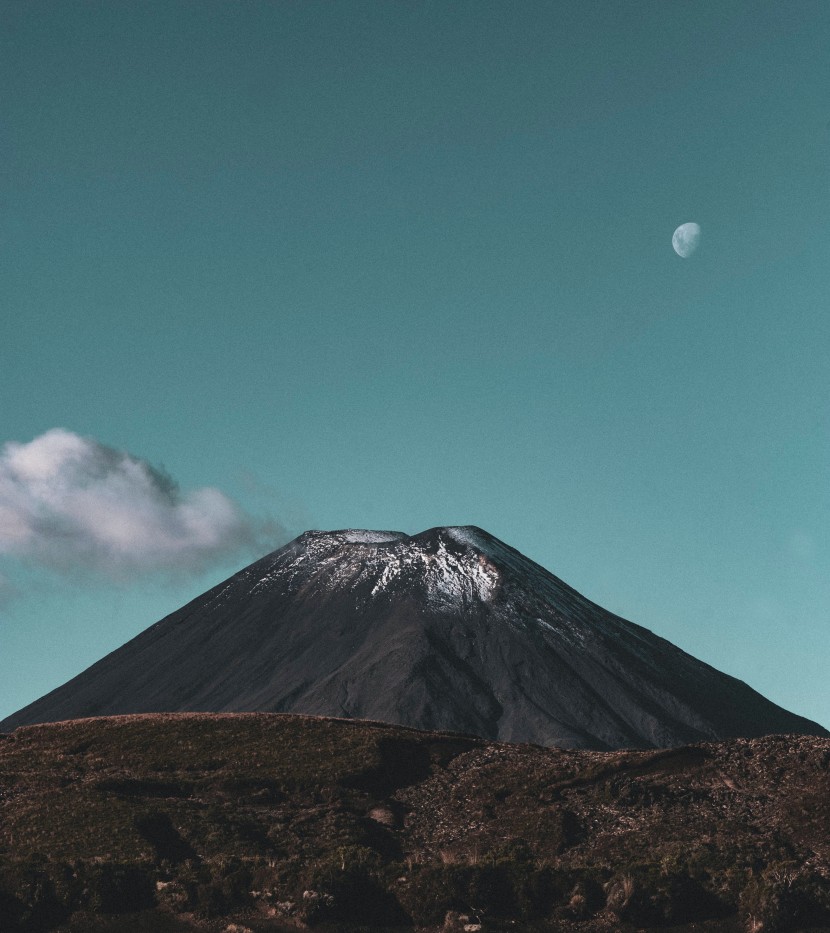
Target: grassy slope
179,818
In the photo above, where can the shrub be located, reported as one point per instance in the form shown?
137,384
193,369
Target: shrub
348,885
30,898
116,889
782,897
619,892
496,887
432,891
578,894
646,894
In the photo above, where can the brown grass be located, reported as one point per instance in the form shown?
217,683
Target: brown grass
393,826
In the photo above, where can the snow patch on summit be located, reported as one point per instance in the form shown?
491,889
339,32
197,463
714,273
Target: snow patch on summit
450,572
448,577
361,536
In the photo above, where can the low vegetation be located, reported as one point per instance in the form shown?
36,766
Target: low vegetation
255,822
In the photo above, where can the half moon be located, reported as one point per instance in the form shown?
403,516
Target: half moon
685,239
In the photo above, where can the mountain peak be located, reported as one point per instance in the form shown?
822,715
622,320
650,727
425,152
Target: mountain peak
444,566
352,536
466,535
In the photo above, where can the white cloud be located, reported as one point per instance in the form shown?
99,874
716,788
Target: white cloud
69,502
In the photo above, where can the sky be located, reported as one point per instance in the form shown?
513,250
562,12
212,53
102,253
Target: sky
272,266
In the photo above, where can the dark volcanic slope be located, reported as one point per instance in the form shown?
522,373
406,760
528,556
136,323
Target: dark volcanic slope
450,629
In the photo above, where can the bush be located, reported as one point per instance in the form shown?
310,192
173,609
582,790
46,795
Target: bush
118,889
30,897
431,892
580,894
646,894
497,887
783,897
348,885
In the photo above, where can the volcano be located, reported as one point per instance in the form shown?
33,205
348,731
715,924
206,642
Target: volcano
449,630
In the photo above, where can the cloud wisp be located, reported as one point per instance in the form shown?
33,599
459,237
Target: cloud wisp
71,503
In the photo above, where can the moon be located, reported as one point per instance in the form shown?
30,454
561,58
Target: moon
685,239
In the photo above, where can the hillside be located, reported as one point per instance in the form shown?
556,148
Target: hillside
273,822
450,629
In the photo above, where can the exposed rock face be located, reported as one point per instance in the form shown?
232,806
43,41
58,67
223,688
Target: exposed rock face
450,629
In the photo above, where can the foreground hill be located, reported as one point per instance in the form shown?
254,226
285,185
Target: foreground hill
450,629
269,822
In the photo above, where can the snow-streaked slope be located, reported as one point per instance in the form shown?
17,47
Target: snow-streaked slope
449,629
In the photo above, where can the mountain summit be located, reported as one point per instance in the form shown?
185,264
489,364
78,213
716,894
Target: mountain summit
450,629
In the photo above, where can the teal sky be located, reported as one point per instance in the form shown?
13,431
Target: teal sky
398,265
